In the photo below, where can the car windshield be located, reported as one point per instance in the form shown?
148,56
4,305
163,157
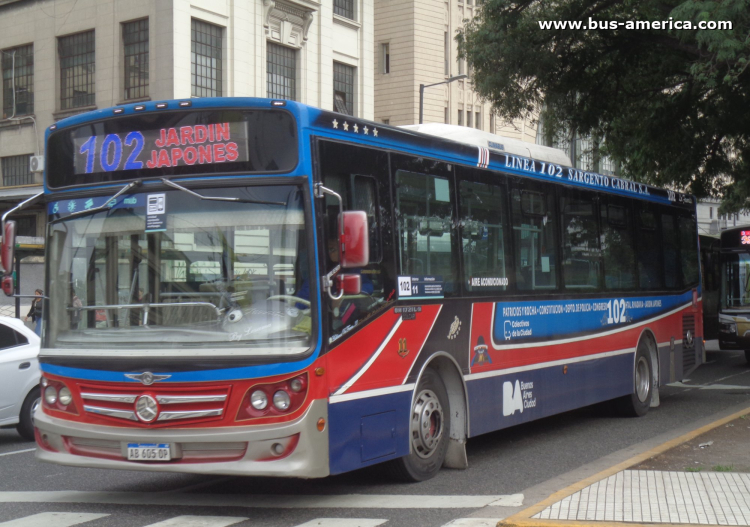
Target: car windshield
735,284
170,273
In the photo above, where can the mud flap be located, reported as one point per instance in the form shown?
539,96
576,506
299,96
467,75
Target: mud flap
455,456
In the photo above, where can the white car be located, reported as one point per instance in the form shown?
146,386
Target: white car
19,376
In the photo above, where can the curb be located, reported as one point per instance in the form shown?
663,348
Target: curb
524,518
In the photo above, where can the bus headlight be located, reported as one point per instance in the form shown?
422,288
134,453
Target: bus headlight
281,400
728,327
65,396
50,395
259,400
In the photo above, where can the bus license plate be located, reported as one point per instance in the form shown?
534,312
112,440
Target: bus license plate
148,452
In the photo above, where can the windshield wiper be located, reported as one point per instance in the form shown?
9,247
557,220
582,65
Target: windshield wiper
136,183
219,198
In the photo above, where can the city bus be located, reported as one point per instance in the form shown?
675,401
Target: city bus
248,286
734,305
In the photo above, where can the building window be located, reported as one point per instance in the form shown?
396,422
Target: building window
446,117
460,117
492,123
25,225
135,42
344,8
18,81
461,66
386,52
478,120
468,119
16,171
205,56
343,88
386,121
447,53
281,72
77,69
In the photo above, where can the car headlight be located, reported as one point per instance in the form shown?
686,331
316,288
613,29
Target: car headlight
259,400
50,395
281,400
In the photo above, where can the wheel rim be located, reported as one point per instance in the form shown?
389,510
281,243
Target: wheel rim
426,423
34,406
642,380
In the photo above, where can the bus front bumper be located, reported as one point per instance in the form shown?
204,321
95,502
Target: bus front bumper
292,449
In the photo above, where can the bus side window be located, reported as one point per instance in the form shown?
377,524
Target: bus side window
581,258
618,250
688,250
648,250
483,235
534,235
426,227
671,251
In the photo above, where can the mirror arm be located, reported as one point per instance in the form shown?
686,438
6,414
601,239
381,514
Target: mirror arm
320,192
18,207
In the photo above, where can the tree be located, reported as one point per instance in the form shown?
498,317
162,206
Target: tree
673,105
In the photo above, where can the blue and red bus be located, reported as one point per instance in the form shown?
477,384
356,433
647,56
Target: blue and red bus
254,286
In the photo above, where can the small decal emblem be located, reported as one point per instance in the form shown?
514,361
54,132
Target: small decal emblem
455,329
147,377
402,351
480,353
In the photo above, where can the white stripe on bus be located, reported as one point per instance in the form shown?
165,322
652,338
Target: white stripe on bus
367,365
370,393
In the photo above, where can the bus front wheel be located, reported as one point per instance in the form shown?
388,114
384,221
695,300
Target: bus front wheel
429,428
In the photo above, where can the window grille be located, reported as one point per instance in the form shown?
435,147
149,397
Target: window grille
343,88
18,76
344,8
16,171
77,69
281,72
25,225
206,59
135,41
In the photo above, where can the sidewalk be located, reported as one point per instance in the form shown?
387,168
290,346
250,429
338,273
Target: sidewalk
699,478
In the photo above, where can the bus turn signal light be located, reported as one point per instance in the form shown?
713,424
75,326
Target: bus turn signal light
321,424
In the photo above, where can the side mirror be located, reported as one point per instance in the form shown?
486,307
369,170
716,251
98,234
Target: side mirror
354,245
349,284
8,285
8,247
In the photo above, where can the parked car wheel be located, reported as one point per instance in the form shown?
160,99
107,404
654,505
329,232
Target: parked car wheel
25,426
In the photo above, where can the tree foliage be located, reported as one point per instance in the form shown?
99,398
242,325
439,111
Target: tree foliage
673,106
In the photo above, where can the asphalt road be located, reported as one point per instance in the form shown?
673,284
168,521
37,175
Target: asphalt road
533,460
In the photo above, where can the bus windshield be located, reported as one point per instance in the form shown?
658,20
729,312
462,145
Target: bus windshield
168,272
735,292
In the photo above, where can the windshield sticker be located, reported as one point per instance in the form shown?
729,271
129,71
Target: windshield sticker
420,287
156,207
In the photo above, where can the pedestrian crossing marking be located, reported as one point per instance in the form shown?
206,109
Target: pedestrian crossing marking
343,522
473,522
58,519
199,521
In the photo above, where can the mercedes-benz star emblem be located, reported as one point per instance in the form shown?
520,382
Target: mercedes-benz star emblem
146,408
689,338
147,377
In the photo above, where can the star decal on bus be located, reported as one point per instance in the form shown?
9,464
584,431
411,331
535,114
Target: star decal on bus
335,124
375,132
356,128
346,126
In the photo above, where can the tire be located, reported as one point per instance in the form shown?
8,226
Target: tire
25,425
429,431
638,403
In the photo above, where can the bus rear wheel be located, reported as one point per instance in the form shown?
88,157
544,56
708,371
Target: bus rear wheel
429,428
638,403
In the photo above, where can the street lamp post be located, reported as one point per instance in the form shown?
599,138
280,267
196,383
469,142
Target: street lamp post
422,87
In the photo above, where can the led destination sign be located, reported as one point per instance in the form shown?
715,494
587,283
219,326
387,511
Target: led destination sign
200,144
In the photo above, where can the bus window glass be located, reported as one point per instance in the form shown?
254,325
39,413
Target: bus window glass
534,227
671,252
735,283
353,172
426,229
213,274
648,250
618,249
581,258
688,251
483,236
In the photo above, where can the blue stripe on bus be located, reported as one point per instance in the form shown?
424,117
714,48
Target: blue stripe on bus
507,400
366,431
247,372
544,319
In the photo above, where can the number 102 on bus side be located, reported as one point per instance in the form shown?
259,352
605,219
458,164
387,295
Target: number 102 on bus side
420,287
